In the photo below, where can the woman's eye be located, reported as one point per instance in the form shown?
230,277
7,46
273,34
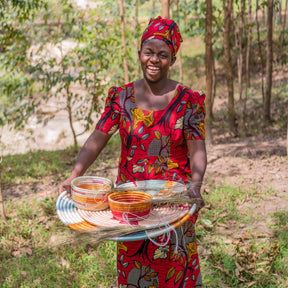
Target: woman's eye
163,56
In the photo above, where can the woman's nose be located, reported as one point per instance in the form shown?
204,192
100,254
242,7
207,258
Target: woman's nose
154,57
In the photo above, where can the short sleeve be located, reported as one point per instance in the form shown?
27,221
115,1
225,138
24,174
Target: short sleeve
194,117
110,118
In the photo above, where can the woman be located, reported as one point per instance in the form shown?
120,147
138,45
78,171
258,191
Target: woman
161,124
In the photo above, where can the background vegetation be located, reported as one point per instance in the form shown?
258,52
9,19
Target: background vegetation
56,50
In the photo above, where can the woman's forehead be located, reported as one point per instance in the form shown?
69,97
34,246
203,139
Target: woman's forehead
156,44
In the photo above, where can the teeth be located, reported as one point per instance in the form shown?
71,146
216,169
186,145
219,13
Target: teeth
153,68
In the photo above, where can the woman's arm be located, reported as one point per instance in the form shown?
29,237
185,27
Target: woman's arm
88,154
198,163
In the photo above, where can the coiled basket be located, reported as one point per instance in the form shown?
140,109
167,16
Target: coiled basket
91,192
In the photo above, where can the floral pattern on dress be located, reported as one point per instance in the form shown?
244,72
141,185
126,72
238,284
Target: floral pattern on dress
154,146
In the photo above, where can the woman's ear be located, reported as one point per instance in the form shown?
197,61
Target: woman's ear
139,53
173,60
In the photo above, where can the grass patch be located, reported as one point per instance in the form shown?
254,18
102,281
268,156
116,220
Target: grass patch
29,259
254,260
38,165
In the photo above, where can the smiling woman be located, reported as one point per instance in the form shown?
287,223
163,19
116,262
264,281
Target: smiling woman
161,125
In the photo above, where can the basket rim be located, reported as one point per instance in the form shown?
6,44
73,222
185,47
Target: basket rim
129,193
106,181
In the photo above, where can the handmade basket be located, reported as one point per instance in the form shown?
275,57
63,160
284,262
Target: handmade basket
91,192
130,205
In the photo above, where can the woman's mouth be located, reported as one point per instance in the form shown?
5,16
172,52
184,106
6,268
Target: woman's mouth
153,69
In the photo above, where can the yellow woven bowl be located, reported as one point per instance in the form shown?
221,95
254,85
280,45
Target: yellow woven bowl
130,205
91,192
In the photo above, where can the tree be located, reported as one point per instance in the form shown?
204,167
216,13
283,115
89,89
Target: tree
269,61
208,69
165,7
124,47
228,8
260,48
2,210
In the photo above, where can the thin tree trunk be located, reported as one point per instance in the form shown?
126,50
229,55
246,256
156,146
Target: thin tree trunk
283,29
69,109
179,52
214,83
153,8
209,74
228,6
249,43
165,8
260,49
269,57
239,40
125,61
280,11
2,210
136,24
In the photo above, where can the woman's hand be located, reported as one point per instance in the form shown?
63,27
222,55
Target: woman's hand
66,186
194,194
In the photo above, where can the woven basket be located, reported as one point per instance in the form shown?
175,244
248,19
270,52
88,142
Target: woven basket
91,192
130,205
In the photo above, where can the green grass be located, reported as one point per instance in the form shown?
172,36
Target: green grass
29,256
38,165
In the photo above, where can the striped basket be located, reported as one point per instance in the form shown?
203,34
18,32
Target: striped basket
91,192
130,205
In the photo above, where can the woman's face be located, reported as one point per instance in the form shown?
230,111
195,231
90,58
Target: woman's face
156,59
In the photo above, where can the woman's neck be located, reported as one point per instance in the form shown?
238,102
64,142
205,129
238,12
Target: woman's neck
159,88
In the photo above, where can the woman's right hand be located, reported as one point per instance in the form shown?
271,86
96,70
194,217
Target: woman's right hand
66,186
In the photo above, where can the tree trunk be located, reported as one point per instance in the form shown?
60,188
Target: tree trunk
269,62
136,24
179,52
249,43
69,109
165,8
239,45
208,70
153,8
214,83
260,49
2,210
283,29
125,61
228,6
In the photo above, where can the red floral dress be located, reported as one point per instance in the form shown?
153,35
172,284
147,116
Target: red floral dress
154,147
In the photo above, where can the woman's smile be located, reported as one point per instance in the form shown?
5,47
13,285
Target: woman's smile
156,59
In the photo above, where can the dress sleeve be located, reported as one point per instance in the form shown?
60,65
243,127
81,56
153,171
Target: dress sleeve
110,118
194,117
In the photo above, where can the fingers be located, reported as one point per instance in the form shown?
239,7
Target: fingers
65,186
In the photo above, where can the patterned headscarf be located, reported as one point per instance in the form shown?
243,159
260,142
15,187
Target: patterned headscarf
163,29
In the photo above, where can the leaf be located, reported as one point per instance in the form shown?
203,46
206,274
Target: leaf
150,168
157,135
147,269
145,136
141,129
123,177
170,274
137,264
178,276
161,159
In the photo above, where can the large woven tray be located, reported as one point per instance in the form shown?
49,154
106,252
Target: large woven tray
70,216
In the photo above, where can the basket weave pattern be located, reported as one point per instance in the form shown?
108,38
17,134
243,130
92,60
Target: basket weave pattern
91,192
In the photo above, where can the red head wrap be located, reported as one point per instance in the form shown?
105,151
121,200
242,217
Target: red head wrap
163,29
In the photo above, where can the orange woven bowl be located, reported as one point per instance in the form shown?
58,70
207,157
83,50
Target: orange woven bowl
130,205
91,192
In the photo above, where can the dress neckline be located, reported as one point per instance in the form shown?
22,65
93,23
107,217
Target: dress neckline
162,110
